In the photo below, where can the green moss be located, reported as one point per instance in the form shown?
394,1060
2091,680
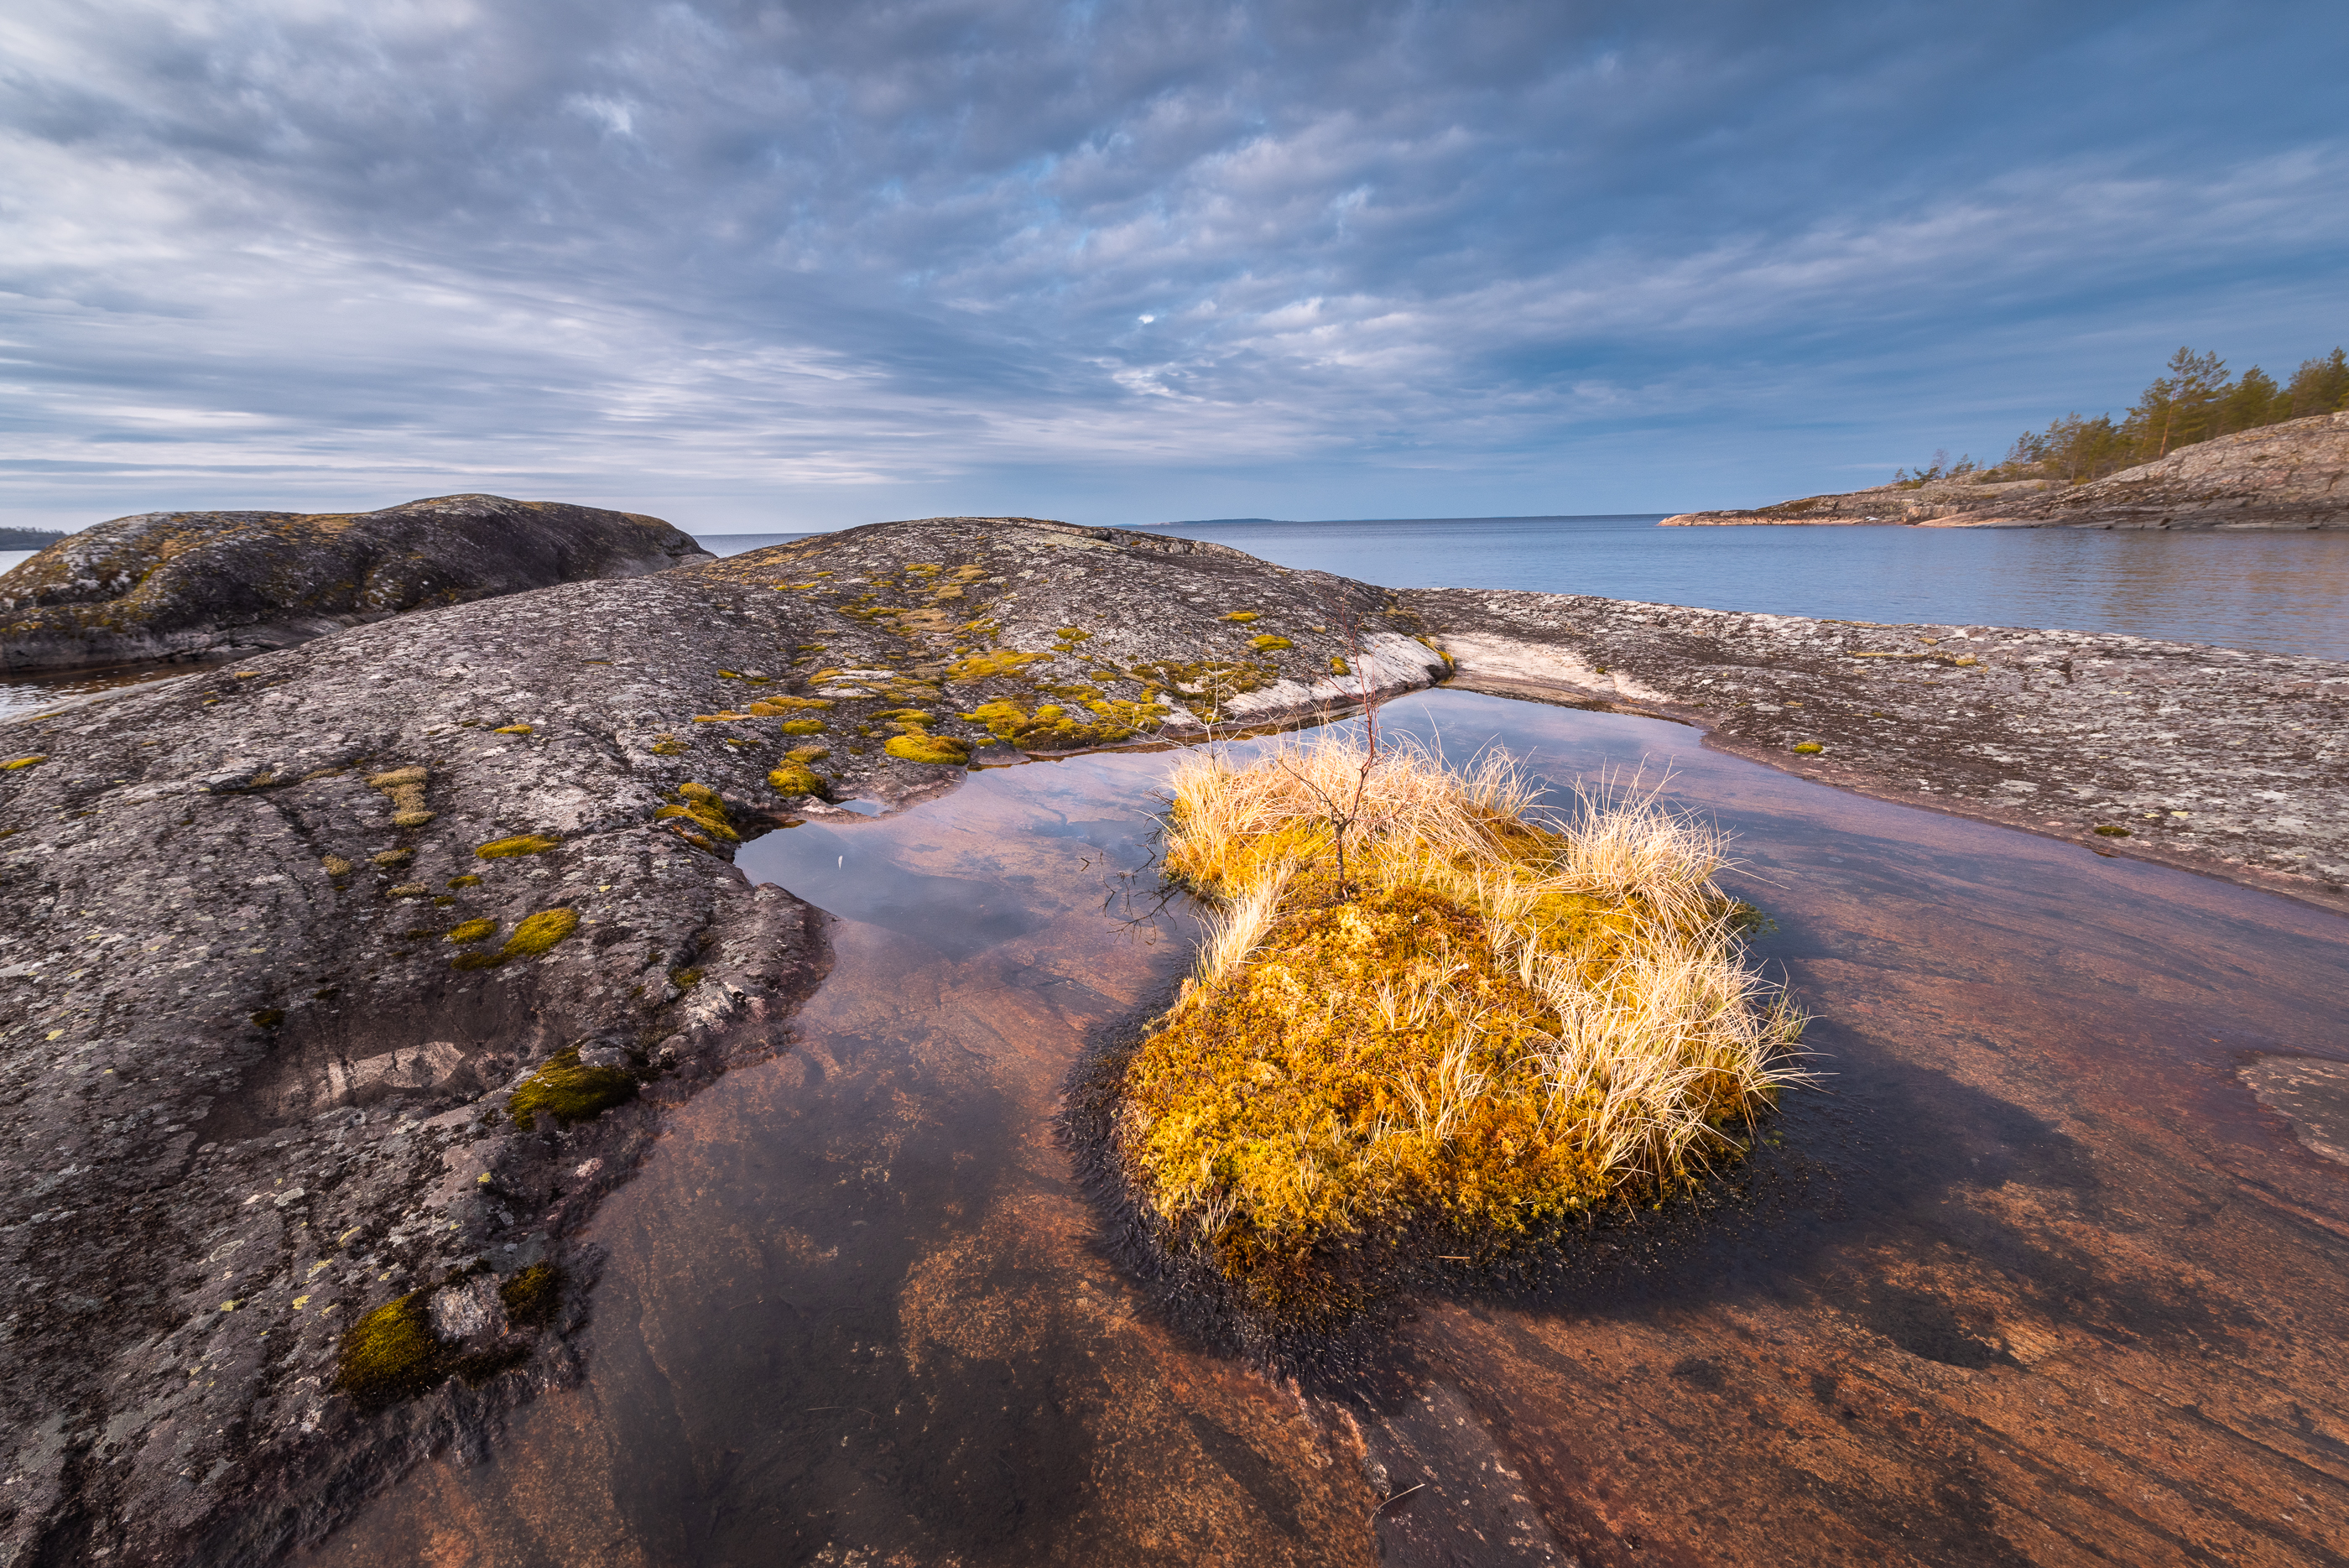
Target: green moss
569,1093
466,880
477,960
1808,748
1268,643
269,1017
670,746
521,844
795,778
390,1354
2111,831
539,932
942,750
475,931
531,1295
802,727
808,753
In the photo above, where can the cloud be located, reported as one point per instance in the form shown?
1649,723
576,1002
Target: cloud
749,263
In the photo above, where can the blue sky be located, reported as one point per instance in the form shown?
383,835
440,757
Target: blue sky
754,267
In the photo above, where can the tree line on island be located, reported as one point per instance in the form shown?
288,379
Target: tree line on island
2194,399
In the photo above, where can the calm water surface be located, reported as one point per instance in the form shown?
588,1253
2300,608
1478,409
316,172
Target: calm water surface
2278,593
2032,1278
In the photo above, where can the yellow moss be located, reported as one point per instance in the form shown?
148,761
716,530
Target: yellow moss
1241,618
568,1092
521,844
336,866
699,804
670,746
917,747
475,931
397,778
802,727
532,1294
466,880
515,730
391,857
808,753
390,1354
1337,666
990,665
727,717
1808,747
411,818
13,763
1268,643
539,932
795,778
767,706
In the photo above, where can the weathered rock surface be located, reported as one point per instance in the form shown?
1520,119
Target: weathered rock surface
2295,475
250,1087
167,585
2208,758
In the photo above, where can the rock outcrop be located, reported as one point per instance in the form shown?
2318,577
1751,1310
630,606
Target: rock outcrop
181,585
290,949
2207,758
2293,476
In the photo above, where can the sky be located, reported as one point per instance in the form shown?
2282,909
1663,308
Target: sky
755,266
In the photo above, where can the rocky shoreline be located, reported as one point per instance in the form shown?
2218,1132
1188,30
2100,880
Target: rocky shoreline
281,943
2292,476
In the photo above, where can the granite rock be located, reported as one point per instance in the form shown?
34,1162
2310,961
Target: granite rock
202,585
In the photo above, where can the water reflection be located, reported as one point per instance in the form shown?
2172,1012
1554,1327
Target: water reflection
2037,1280
22,694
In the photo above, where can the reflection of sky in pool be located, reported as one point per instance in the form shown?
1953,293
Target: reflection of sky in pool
2034,1271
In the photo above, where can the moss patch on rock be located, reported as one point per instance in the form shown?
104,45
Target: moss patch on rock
943,751
520,844
795,778
531,1295
569,1093
390,1354
700,806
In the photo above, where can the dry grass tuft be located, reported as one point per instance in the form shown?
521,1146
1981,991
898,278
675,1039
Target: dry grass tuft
1484,1025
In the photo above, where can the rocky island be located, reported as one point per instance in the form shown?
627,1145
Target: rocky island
2293,476
340,982
212,585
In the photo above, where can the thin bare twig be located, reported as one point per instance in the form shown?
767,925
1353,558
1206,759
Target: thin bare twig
1396,1498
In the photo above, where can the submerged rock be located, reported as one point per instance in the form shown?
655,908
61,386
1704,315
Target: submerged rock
167,585
2293,476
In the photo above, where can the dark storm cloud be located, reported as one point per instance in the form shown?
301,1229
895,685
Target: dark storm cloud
1122,260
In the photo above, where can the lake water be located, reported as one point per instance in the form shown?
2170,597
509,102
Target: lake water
2034,1278
2274,593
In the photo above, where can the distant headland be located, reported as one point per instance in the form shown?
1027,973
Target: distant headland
2199,449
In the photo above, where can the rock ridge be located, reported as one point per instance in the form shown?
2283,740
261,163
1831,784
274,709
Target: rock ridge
206,585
